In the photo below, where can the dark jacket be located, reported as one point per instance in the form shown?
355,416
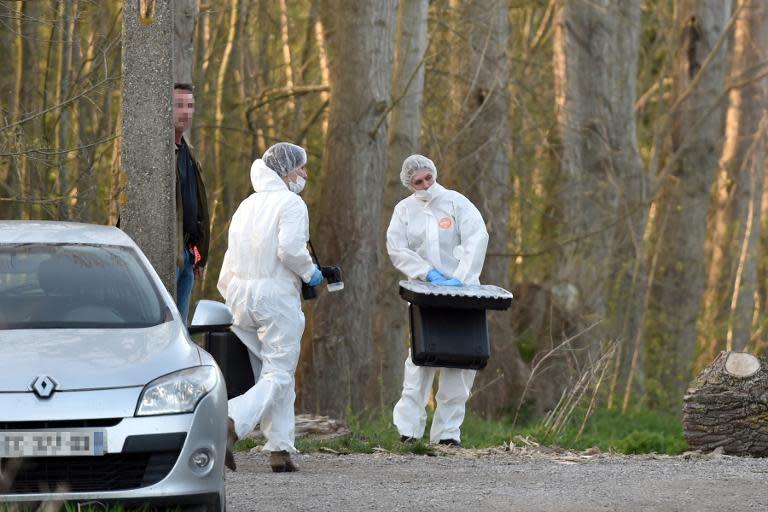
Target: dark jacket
203,218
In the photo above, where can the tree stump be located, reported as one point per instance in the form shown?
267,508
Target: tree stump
728,407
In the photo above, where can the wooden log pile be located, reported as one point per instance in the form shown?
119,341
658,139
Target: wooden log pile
728,406
318,427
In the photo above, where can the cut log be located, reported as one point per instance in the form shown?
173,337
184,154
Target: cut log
728,406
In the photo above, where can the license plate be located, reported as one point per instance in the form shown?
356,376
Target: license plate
51,444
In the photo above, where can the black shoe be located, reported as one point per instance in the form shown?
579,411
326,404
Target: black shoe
281,462
450,442
229,457
407,439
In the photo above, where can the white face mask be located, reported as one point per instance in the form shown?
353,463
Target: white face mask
297,186
425,195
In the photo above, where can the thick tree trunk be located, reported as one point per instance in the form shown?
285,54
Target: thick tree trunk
64,115
287,57
603,191
185,18
727,407
404,135
361,38
478,166
7,40
735,234
13,182
147,150
226,209
681,208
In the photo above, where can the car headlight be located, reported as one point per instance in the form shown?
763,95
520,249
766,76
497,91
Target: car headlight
177,392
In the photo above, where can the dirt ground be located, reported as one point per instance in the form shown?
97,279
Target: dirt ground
503,479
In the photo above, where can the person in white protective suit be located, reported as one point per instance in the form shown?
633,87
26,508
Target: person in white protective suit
265,263
436,235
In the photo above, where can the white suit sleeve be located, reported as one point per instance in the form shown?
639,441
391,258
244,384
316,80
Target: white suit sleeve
403,258
474,242
292,238
225,276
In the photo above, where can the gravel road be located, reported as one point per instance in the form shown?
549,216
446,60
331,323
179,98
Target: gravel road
501,480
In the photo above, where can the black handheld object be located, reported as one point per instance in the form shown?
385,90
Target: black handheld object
308,292
332,275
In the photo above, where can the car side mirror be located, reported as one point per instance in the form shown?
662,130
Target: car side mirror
211,316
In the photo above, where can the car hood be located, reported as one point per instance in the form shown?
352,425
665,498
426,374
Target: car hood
78,359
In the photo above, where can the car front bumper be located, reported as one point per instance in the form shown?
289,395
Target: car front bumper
203,430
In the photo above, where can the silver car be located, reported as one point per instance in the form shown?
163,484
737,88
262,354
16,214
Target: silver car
103,395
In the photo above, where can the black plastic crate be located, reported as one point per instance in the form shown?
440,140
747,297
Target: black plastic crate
449,338
448,323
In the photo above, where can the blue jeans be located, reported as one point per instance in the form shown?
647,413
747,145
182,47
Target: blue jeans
185,279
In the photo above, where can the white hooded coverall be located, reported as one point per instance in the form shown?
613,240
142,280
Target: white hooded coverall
265,263
443,231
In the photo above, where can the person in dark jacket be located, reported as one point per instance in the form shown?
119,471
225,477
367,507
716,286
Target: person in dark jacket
191,204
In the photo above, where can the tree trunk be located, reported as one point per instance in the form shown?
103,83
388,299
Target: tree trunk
681,207
16,169
727,406
324,72
627,270
404,134
478,166
761,309
7,80
64,120
147,149
360,49
185,18
297,124
218,138
735,233
287,58
603,190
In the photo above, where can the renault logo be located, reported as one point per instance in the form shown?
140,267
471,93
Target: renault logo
44,386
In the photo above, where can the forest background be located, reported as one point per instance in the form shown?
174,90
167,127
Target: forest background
614,147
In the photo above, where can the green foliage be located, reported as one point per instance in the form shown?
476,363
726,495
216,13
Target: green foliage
527,344
638,432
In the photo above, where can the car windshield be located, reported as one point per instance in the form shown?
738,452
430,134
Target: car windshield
73,286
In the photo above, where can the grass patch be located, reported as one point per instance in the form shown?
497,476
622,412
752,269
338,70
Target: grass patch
635,433
370,433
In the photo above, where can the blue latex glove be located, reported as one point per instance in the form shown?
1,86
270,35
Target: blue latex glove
317,277
435,275
450,282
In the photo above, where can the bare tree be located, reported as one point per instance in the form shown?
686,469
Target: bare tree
404,140
185,19
478,166
146,151
602,187
67,8
218,137
16,169
360,46
735,234
679,228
